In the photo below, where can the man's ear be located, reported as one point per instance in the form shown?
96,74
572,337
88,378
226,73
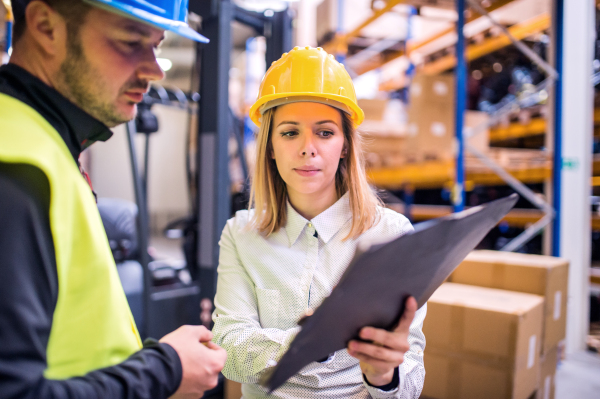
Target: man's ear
47,28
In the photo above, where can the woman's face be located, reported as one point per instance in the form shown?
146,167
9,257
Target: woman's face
308,142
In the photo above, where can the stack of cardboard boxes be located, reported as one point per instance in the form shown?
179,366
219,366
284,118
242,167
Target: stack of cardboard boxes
384,134
429,131
494,330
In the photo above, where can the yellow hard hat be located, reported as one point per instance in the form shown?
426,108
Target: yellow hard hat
307,74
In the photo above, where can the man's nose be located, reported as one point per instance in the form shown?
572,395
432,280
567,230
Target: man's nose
149,70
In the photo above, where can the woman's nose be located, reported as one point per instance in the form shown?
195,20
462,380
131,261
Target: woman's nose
308,146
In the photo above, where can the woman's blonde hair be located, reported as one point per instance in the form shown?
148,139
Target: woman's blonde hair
268,193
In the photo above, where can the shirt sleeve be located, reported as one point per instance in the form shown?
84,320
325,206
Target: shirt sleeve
250,348
412,370
28,294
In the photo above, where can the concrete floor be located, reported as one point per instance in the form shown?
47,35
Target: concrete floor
578,376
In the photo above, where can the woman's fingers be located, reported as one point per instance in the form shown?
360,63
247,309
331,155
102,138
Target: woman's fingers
410,308
391,339
379,353
381,337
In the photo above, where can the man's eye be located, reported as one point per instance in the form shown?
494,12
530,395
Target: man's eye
132,45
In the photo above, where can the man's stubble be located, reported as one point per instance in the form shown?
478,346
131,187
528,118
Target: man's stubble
82,84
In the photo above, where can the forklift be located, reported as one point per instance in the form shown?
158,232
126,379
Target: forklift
164,295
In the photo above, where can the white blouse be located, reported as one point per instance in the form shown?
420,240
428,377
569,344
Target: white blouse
266,284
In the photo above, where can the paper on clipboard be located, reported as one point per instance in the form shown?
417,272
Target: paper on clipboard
378,280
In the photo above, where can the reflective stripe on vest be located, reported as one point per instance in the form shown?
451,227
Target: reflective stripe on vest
92,325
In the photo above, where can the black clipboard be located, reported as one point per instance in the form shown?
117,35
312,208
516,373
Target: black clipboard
383,275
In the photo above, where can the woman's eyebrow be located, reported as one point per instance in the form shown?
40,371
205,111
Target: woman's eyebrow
288,123
327,121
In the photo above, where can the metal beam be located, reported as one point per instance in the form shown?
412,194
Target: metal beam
576,108
278,32
252,19
214,194
458,191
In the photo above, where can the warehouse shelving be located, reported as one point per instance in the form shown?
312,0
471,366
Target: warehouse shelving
520,218
438,174
535,127
517,130
519,31
340,42
474,51
435,174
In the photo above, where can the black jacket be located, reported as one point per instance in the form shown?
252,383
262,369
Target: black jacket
28,275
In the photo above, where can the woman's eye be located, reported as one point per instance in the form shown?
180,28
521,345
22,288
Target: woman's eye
289,133
326,133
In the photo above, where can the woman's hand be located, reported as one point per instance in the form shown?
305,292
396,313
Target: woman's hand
386,352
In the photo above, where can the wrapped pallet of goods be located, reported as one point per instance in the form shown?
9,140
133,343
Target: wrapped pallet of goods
431,121
511,159
482,343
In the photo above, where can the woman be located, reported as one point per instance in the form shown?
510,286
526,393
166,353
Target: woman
280,260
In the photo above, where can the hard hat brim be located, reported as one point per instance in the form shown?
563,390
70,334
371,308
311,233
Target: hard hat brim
357,115
180,28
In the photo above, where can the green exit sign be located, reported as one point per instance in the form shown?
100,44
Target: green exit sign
570,163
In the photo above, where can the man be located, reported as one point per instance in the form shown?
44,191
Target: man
66,330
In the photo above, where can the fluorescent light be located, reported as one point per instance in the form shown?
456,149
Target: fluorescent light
164,63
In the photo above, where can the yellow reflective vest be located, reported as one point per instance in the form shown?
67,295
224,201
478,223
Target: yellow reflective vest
92,325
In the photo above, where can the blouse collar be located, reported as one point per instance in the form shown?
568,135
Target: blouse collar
327,224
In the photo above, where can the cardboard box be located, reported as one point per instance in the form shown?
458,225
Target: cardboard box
431,120
548,363
326,20
383,132
481,343
384,151
534,274
477,121
374,109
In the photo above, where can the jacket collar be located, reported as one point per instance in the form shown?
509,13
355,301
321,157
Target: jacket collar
76,127
327,224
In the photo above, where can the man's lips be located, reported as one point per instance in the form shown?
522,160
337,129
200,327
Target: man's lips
136,93
134,96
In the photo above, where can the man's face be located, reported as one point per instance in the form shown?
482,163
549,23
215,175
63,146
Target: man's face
108,66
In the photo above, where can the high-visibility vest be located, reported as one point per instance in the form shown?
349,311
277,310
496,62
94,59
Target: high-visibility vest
92,325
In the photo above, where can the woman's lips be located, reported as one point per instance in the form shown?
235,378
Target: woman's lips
307,172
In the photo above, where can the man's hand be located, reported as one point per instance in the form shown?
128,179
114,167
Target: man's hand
386,352
201,360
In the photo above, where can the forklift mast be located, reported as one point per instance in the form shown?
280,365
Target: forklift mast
213,207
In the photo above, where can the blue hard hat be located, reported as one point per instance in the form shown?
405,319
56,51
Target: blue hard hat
164,14
170,15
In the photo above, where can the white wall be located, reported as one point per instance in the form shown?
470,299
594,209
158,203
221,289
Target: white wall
110,168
